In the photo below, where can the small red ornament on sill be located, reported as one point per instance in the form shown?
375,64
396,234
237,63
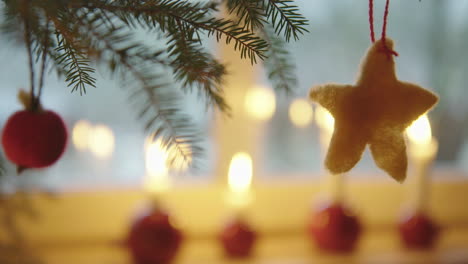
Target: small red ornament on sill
238,239
335,229
418,231
153,239
34,137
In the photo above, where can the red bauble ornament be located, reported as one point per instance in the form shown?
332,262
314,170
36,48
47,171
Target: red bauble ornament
153,239
34,139
335,229
418,231
238,239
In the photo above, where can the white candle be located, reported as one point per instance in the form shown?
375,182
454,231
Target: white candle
422,150
239,179
326,123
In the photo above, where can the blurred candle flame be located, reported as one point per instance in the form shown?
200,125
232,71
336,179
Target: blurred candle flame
240,179
157,177
240,172
325,120
422,146
326,123
101,141
300,112
419,132
80,134
422,149
260,103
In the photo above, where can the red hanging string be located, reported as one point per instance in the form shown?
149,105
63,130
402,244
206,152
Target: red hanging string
384,27
371,20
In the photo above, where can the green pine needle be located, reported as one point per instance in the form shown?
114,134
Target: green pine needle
76,65
285,17
279,64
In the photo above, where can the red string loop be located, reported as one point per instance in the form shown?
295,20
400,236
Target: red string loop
371,20
385,49
384,27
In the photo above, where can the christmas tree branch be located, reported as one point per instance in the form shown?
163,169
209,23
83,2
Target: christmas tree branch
279,64
172,15
194,67
169,123
174,128
84,32
250,12
76,64
71,56
286,18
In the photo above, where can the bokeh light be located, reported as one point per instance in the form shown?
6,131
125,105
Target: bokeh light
260,103
101,141
300,112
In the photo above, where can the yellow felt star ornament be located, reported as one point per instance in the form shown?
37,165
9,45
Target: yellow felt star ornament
375,111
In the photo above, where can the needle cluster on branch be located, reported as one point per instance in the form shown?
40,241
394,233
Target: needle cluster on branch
75,36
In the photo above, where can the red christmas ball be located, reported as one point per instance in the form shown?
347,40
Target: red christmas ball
34,139
153,239
334,228
418,231
238,239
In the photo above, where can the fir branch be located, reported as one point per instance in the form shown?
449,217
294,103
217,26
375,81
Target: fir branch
86,31
71,55
167,120
190,64
279,64
250,13
248,43
286,18
170,15
77,66
194,67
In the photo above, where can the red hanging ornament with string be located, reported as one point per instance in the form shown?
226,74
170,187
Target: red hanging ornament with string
34,137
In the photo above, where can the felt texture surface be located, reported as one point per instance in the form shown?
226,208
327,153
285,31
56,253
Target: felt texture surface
375,111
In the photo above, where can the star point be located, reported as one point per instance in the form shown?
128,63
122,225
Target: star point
375,111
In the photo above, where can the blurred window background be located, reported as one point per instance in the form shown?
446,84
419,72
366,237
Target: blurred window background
429,36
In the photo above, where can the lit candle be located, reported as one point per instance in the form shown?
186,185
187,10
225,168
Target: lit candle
239,180
153,237
156,180
326,123
334,227
238,237
422,150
